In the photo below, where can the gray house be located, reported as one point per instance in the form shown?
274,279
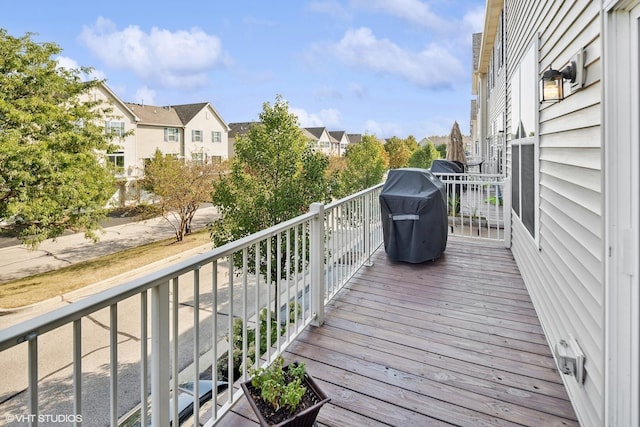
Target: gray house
558,84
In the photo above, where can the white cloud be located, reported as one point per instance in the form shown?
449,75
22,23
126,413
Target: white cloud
409,10
474,20
179,59
330,7
145,95
329,117
382,129
72,64
433,67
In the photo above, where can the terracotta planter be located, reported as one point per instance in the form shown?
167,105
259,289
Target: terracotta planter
305,418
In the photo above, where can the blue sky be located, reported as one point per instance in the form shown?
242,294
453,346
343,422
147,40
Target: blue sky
383,67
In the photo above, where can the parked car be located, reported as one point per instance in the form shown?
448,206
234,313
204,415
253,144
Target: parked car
185,403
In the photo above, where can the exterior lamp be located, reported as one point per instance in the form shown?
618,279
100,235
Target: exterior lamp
553,82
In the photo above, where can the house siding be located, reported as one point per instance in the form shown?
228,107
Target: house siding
207,121
563,267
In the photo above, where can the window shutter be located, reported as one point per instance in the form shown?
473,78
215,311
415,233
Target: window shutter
166,134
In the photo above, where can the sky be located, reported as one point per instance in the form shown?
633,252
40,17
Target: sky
382,67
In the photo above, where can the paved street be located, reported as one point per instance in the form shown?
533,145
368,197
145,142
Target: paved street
17,261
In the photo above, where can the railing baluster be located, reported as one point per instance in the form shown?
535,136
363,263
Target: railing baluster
113,364
268,284
175,346
256,360
288,283
144,366
245,314
77,370
196,347
214,340
33,379
230,331
278,287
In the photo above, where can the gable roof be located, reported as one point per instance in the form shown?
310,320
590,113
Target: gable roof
155,115
316,132
338,134
242,128
354,137
186,112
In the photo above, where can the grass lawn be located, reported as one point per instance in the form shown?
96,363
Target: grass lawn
33,289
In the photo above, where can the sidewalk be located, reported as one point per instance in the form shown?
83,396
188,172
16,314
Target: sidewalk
18,261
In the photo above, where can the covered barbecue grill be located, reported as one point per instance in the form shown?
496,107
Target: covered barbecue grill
413,204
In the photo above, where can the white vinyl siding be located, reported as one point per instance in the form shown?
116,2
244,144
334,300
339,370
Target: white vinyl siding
564,269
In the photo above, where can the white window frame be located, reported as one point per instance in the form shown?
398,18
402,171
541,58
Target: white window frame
171,135
527,140
115,127
196,135
216,136
116,158
198,158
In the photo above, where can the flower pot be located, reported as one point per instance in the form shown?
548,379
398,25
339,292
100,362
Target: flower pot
303,418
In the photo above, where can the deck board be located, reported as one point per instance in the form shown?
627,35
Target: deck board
450,342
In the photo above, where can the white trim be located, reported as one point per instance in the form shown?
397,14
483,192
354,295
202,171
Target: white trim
622,229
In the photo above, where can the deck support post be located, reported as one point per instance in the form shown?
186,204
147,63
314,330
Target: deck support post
317,263
160,355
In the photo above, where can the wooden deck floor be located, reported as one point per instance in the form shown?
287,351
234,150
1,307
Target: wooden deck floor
450,342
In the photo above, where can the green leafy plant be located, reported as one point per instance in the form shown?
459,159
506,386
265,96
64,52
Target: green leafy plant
281,387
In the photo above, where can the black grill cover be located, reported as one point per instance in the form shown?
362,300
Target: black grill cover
446,166
413,204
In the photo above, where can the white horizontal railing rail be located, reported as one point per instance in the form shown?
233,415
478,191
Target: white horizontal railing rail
216,313
476,205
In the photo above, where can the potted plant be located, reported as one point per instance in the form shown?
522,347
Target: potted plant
284,395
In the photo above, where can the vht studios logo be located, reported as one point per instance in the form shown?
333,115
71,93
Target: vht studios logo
43,418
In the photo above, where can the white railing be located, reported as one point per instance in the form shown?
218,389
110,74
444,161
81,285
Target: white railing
210,313
476,205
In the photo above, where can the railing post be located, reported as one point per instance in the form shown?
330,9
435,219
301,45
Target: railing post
367,228
317,263
160,355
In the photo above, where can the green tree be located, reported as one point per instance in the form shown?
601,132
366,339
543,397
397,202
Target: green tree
367,162
181,187
52,175
424,156
412,144
274,177
442,150
398,152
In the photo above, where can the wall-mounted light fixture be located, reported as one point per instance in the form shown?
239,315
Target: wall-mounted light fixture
552,83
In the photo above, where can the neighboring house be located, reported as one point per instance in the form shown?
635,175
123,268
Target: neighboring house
331,143
195,132
236,130
323,140
572,166
343,140
122,122
354,138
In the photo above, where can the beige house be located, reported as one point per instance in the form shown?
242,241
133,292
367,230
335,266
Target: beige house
195,132
573,164
323,141
343,140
